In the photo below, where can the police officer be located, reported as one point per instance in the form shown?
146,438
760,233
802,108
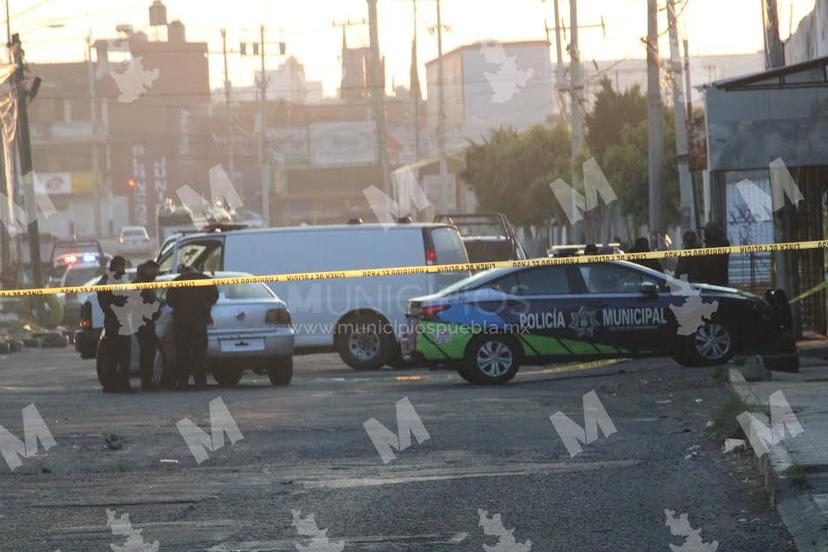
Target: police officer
693,267
716,266
642,245
147,339
116,347
191,314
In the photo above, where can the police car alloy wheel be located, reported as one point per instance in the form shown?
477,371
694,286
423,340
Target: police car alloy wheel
491,360
713,344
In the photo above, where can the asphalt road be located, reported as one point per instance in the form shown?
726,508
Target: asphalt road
304,451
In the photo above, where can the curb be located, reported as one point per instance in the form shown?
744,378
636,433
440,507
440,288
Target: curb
805,520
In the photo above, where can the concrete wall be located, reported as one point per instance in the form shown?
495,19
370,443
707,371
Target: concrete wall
810,40
747,129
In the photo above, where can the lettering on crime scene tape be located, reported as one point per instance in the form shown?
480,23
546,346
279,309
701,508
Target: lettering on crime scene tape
425,269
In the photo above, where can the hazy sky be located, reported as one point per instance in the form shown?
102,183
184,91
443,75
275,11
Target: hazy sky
713,26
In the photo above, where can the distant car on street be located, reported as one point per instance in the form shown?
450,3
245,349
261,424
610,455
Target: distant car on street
250,329
134,240
488,325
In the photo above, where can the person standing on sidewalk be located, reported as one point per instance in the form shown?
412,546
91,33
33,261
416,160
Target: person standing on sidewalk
716,265
191,315
147,338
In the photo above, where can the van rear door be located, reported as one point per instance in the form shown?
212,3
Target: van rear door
444,246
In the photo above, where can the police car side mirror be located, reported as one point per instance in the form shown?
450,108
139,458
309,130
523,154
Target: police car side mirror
649,288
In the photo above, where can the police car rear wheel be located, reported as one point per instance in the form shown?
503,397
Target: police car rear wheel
491,360
712,344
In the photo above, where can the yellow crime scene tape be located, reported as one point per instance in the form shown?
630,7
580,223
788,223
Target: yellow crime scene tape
424,269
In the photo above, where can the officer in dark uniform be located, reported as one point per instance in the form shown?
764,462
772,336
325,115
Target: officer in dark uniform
693,267
716,265
191,314
147,339
116,347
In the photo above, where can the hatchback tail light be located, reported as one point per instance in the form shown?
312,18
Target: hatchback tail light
210,321
430,256
86,315
278,316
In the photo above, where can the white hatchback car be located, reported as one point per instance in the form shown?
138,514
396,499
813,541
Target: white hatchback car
134,240
250,329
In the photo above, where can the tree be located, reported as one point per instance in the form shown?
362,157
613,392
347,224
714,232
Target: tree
627,169
510,172
611,112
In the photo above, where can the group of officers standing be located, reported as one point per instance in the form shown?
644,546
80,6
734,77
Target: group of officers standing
702,269
191,307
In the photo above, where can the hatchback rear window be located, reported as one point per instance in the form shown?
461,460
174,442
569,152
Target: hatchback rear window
245,291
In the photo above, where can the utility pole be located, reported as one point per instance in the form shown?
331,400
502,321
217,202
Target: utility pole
416,96
656,129
680,117
698,199
559,68
441,112
576,88
377,80
26,165
688,89
264,158
93,120
228,105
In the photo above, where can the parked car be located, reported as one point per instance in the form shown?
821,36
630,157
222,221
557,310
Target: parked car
76,275
485,327
250,329
487,236
360,318
134,240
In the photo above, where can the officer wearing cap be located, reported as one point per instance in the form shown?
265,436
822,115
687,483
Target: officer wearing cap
147,338
116,347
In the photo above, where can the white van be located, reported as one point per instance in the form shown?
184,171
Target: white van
360,318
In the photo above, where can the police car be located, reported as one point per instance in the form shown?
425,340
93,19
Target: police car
487,325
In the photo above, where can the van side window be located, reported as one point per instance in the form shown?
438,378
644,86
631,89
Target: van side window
204,256
448,246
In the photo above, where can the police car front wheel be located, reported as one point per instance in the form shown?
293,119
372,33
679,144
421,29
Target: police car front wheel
490,360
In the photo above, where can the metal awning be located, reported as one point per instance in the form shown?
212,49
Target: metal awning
809,73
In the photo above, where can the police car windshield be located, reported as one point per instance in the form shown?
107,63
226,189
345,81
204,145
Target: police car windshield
473,281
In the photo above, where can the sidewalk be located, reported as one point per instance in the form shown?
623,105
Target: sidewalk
795,469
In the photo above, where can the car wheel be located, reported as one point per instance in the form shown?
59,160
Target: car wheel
491,360
365,342
712,344
227,377
282,373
